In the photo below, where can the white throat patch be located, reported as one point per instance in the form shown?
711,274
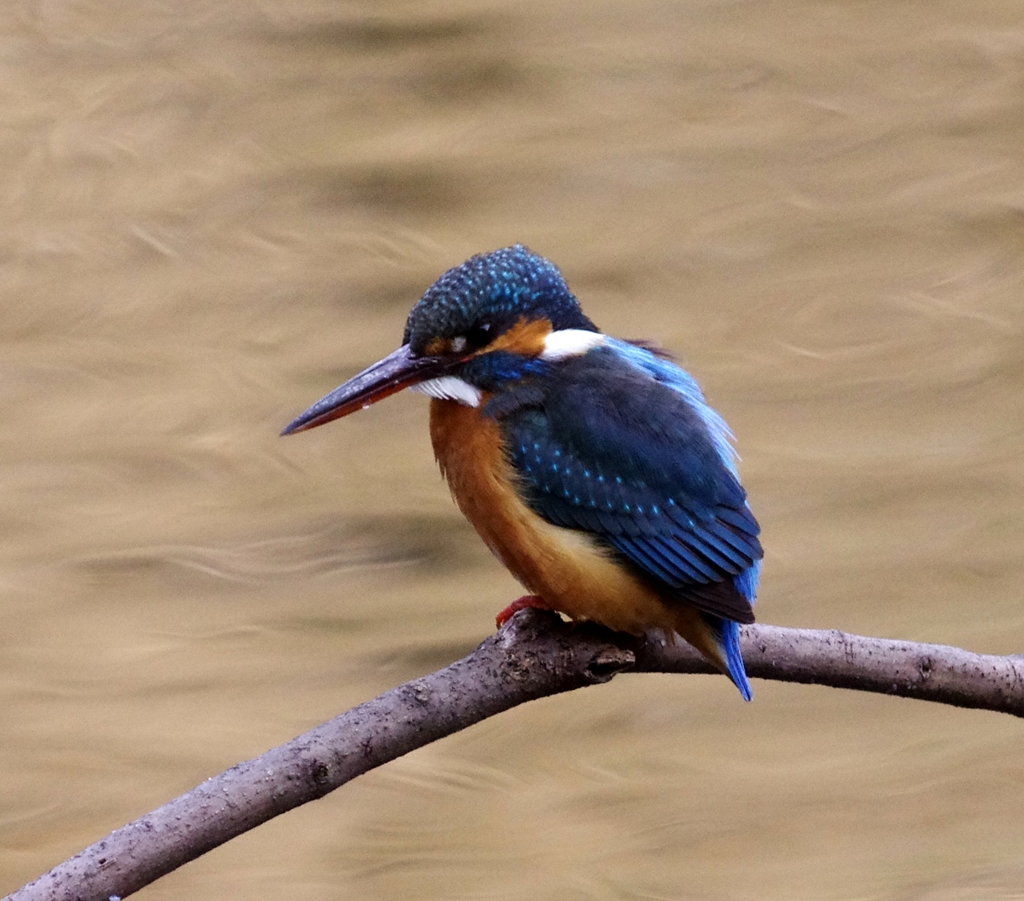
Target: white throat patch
570,342
450,387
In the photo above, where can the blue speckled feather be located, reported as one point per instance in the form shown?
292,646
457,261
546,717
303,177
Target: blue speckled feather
514,282
620,443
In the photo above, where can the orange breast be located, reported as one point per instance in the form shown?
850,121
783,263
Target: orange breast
563,566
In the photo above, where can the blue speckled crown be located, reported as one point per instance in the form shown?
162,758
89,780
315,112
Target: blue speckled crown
500,287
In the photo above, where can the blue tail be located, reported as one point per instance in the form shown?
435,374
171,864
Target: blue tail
727,633
727,636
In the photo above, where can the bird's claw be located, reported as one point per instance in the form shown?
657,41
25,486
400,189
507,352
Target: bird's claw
527,600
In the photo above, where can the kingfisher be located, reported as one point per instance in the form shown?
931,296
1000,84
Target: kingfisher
592,467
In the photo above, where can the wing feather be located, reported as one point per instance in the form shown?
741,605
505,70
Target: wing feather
622,451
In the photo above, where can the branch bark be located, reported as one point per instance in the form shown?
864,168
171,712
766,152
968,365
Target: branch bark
533,656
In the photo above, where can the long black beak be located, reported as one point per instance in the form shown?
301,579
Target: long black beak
396,371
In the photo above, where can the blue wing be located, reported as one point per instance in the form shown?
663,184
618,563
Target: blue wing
620,443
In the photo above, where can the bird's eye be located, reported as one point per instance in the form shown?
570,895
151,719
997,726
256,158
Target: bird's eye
478,336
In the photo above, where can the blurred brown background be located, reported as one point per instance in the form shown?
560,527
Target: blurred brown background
213,212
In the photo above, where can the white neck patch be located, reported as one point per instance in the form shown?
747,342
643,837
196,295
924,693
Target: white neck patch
570,342
450,387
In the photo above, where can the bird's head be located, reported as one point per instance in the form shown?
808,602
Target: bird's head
490,321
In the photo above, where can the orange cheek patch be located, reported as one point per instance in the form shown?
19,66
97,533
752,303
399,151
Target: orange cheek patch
524,338
438,347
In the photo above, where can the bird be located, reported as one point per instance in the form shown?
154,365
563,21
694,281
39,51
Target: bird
591,466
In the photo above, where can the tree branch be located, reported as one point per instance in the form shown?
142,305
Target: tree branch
533,656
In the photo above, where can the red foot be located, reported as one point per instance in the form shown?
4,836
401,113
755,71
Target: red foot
527,600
